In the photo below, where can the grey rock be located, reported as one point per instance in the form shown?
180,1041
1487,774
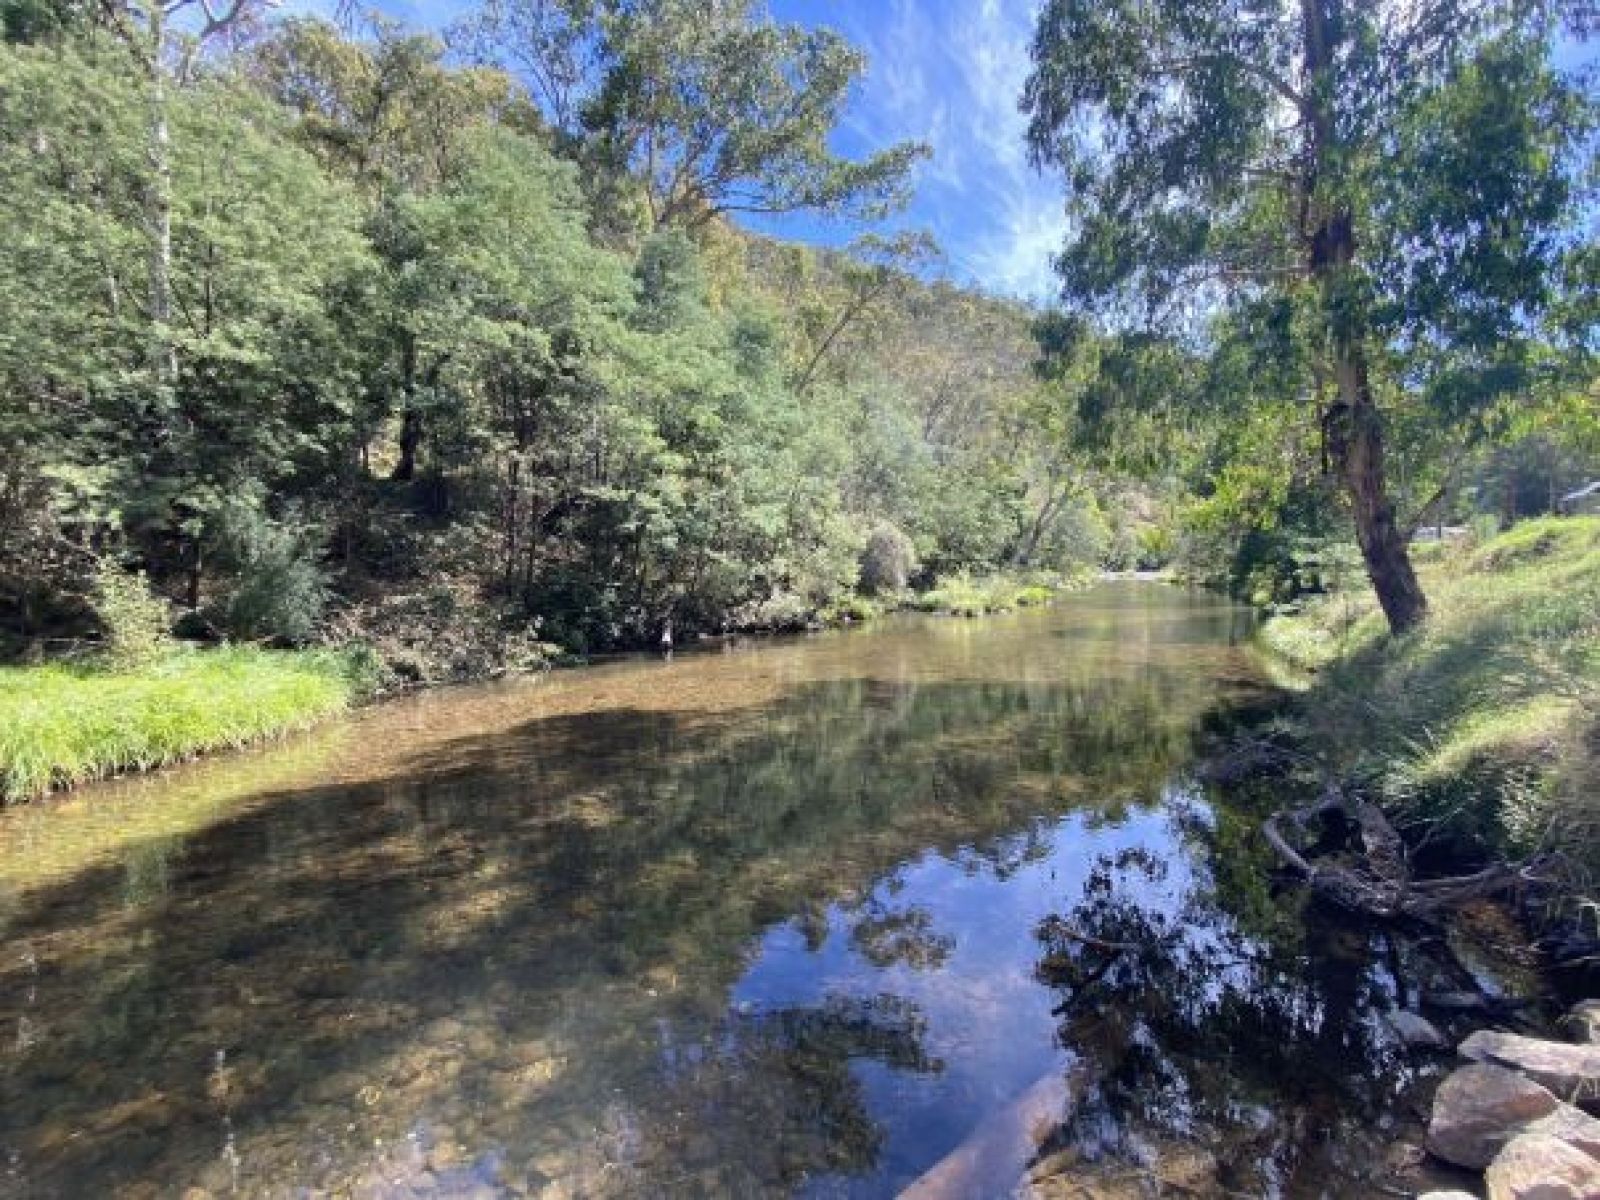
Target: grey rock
1416,1031
1583,1022
1478,1109
1536,1166
1571,1072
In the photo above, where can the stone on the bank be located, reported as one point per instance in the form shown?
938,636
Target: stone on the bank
1480,1108
1536,1166
1583,1022
1416,1031
1571,1072
1573,1126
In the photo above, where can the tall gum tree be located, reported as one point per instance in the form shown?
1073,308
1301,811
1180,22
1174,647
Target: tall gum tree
1218,150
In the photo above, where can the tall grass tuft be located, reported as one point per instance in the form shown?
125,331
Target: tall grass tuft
65,725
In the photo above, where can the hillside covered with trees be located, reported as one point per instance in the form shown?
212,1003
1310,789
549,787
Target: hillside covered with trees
453,346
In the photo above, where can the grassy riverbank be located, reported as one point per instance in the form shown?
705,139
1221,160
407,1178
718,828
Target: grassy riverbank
1485,723
65,725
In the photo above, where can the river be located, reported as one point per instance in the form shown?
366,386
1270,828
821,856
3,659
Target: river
796,917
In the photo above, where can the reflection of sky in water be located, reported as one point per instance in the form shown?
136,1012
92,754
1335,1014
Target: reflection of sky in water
989,1021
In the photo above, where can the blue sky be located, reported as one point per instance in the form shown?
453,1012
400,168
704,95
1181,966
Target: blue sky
948,72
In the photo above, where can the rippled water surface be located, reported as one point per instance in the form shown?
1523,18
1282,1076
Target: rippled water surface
815,917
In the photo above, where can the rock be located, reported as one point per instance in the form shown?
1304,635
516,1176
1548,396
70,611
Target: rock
1535,1166
1571,1072
1447,1196
1573,1126
1583,1022
1416,1031
1480,1108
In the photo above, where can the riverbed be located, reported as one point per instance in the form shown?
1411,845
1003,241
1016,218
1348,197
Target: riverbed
782,918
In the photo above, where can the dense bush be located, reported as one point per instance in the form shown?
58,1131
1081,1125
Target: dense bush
134,625
888,562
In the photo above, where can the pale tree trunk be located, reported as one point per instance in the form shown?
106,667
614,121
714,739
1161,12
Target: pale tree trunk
158,205
1352,425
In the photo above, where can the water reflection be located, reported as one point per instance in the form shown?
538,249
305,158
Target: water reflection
759,923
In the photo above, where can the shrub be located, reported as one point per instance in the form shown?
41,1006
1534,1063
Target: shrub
889,560
134,624
278,592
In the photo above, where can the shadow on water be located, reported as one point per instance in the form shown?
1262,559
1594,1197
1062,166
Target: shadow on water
795,942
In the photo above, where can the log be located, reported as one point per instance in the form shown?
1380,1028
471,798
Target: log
996,1155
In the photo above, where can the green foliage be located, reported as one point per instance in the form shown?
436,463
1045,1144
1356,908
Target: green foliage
964,595
61,726
134,625
1290,203
889,560
467,364
275,590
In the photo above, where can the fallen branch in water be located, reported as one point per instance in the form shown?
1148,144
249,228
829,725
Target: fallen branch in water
1380,884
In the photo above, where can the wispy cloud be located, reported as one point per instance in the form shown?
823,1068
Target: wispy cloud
950,73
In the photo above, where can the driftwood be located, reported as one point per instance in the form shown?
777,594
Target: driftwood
995,1156
1379,884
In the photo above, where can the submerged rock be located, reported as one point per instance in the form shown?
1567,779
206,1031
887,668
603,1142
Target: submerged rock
1536,1166
1480,1108
1572,1072
1416,1031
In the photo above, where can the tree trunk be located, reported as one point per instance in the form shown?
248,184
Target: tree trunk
411,417
1352,426
1355,444
158,206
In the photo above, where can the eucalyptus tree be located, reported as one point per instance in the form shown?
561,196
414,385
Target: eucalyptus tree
708,108
1382,177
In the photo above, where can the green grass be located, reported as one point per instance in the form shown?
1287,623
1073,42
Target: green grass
65,725
965,596
1486,720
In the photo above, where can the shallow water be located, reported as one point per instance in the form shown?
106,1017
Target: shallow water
792,918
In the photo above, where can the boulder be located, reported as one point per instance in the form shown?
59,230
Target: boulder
1416,1032
1535,1166
1583,1022
1571,1072
1573,1126
1478,1109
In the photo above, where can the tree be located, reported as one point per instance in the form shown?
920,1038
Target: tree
712,109
1329,153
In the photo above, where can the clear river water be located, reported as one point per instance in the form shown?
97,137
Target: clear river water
831,916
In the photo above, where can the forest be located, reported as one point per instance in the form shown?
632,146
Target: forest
353,333
453,346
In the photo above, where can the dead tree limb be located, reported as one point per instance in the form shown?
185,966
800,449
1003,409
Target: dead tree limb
1379,883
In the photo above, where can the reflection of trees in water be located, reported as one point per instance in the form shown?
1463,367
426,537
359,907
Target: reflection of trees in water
1203,1031
520,924
770,1096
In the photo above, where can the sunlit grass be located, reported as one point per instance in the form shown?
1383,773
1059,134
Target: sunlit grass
964,595
1483,720
65,725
